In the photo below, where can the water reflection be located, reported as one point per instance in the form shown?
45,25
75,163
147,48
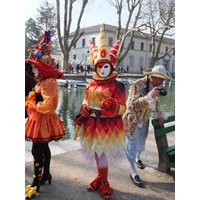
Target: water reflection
70,103
168,102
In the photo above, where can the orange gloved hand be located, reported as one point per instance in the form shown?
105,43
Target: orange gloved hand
106,105
32,111
86,110
30,99
31,105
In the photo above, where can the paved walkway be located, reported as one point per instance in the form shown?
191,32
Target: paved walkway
70,175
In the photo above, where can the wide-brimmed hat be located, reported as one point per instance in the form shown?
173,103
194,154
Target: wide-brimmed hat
39,56
158,71
47,70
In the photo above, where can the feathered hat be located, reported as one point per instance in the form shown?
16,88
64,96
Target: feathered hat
102,55
39,55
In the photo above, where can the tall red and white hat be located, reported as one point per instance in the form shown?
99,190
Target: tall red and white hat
102,55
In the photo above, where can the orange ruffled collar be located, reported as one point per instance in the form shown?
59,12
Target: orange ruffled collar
108,79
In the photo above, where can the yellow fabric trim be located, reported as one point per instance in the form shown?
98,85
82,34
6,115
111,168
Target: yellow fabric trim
97,78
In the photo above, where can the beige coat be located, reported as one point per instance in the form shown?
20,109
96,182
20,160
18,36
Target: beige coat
138,109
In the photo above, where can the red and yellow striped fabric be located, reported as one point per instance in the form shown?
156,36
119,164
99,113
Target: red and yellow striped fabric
103,134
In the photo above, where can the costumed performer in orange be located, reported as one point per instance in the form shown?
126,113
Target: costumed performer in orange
43,124
102,133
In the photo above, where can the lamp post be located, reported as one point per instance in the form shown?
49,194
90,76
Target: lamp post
87,55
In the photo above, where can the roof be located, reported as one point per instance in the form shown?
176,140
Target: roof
111,28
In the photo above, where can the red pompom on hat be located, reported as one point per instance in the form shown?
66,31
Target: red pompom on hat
40,56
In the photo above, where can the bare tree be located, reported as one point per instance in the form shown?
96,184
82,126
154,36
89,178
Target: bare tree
66,45
131,26
157,17
159,20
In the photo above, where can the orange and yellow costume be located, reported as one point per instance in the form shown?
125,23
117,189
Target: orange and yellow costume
43,123
99,123
104,133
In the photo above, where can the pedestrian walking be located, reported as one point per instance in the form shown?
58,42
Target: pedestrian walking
29,85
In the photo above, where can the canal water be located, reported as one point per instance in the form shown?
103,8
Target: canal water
70,103
71,100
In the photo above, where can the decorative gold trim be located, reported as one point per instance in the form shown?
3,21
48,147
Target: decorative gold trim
44,127
108,79
37,164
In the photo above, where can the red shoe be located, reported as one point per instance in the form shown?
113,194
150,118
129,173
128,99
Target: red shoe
107,191
95,184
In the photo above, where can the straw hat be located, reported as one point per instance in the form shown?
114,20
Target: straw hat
158,71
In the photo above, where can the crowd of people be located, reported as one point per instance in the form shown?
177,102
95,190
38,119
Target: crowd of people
110,127
79,68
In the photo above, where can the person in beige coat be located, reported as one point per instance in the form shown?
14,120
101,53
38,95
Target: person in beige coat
142,99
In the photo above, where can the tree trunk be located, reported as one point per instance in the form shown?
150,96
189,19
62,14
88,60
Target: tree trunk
117,65
65,45
65,64
153,61
65,58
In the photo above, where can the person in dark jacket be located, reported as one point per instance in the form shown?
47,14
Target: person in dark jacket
29,85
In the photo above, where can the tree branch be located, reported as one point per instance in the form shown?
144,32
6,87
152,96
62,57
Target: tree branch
78,24
58,26
65,23
167,53
132,30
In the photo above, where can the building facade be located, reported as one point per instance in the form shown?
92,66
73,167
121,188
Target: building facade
139,56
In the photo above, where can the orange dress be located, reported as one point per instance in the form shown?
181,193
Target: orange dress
43,123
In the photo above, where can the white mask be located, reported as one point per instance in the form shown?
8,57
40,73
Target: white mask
35,70
105,71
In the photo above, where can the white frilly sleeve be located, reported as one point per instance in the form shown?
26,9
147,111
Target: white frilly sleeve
161,114
151,101
152,105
